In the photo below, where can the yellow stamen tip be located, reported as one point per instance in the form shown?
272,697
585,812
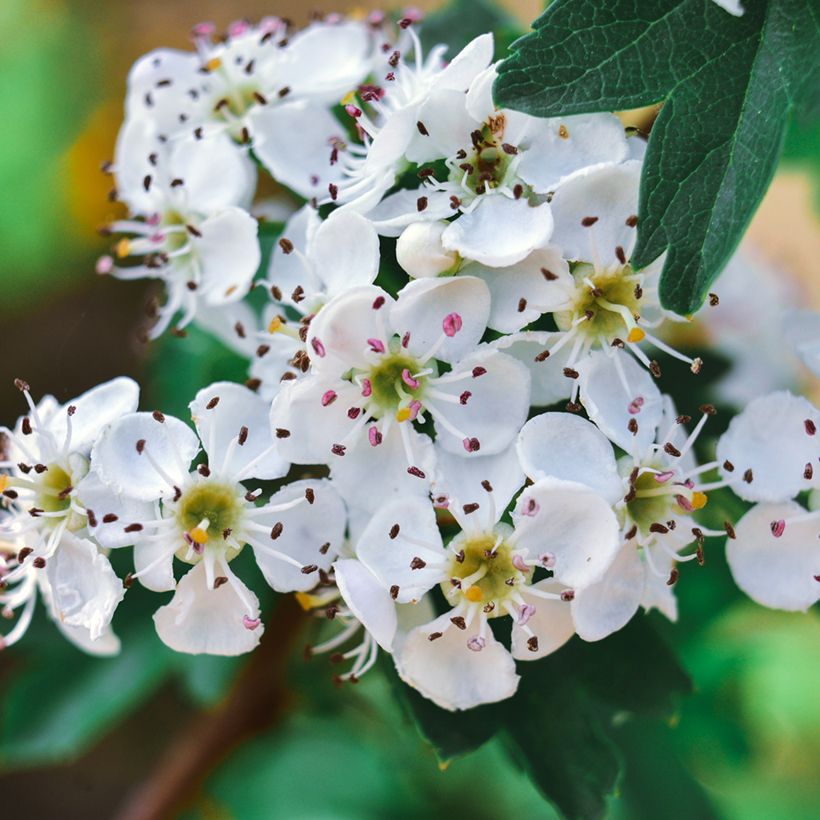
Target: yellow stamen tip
403,414
199,535
4,482
636,335
275,324
348,98
474,594
699,500
122,248
213,64
306,601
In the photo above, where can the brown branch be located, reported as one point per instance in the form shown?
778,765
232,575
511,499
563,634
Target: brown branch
256,701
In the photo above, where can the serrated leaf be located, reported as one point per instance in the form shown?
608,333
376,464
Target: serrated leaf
729,84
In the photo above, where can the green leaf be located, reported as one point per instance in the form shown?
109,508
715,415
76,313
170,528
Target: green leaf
463,20
61,701
728,86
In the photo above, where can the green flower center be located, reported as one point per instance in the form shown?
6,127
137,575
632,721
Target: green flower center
54,482
610,300
206,512
390,390
487,164
484,566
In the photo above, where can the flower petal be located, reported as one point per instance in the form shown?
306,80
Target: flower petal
239,414
368,600
499,231
450,674
312,534
551,622
199,620
771,439
391,560
574,524
564,446
171,444
154,563
780,573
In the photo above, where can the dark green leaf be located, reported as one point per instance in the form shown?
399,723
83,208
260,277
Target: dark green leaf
62,700
729,85
462,20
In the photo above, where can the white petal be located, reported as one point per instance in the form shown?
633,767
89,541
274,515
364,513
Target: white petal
289,270
610,194
494,412
222,320
770,438
293,141
657,593
500,230
390,559
465,66
342,328
573,523
451,675
136,140
345,252
106,645
199,620
461,478
93,410
547,379
448,125
424,304
370,477
420,252
85,590
314,425
236,408
607,606
480,102
802,329
229,255
172,446
607,401
524,280
368,600
307,528
154,561
551,159
400,209
780,572
100,499
564,446
734,7
326,61
551,622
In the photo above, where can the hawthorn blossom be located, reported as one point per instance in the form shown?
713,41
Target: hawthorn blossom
264,87
46,488
769,454
604,303
489,569
188,226
206,516
378,369
653,489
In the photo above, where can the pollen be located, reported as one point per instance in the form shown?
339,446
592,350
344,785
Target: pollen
699,500
307,601
213,64
636,335
275,324
4,482
474,594
198,535
122,248
349,98
563,132
402,414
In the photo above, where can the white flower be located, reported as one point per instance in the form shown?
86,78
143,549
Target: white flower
192,231
76,582
376,369
769,454
487,570
393,136
264,87
421,252
653,489
206,516
605,302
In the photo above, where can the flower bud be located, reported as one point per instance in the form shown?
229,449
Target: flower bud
420,250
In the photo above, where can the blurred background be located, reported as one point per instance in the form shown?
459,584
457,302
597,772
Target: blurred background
82,737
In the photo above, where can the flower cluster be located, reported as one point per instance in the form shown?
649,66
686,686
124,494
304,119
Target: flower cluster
452,338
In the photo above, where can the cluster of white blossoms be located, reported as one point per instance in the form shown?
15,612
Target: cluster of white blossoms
453,272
